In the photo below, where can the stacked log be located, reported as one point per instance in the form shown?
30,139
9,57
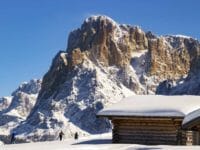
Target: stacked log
151,131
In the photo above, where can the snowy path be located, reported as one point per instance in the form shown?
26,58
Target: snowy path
100,142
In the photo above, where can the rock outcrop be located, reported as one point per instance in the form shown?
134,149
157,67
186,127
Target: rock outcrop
101,39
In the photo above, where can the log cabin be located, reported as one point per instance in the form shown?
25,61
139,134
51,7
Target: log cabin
155,120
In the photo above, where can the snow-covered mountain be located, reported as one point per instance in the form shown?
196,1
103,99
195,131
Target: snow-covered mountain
5,102
15,109
104,62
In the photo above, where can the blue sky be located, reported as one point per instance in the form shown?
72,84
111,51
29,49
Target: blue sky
33,31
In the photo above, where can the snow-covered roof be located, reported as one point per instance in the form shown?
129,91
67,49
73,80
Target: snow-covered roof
191,119
153,106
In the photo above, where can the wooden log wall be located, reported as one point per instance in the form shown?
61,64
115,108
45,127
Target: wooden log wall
151,131
196,135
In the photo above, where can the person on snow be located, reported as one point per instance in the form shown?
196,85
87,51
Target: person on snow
12,140
76,136
61,135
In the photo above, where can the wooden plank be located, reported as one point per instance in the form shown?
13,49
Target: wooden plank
146,128
144,118
143,135
148,123
148,135
145,132
144,124
148,138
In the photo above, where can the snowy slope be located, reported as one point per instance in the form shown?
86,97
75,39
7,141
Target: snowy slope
74,107
97,142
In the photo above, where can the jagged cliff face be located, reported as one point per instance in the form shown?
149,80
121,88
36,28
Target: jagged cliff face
104,62
173,56
103,40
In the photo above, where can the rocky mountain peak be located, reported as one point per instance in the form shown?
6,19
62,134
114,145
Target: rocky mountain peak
106,43
100,18
100,38
31,87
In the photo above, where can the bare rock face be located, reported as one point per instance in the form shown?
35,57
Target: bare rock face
173,57
55,76
77,57
168,60
106,41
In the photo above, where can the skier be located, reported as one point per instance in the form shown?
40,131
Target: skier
61,135
76,136
12,140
